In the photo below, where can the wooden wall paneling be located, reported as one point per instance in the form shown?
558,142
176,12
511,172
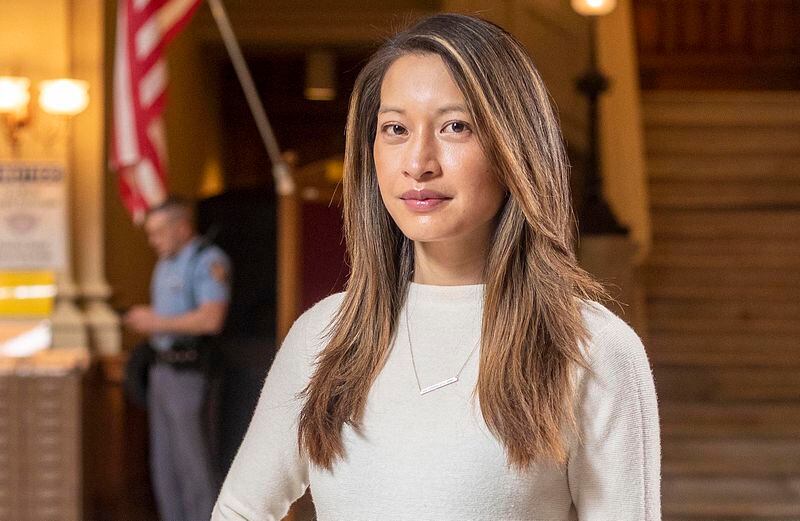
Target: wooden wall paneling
307,23
117,482
323,251
713,44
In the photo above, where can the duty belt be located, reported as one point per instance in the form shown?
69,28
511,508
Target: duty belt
173,357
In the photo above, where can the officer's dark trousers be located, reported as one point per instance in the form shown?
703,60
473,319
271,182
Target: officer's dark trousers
179,454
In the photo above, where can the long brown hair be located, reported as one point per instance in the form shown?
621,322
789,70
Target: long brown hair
532,324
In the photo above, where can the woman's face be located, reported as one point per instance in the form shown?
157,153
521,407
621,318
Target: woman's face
433,175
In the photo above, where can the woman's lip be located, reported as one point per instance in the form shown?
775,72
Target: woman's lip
423,194
424,205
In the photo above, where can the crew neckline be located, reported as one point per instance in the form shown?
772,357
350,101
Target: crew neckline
433,291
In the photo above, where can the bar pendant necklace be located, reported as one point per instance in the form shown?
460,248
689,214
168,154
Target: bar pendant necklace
443,383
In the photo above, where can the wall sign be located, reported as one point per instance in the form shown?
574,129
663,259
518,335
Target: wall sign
33,224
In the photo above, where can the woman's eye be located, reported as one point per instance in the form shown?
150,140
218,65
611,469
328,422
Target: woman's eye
394,129
456,127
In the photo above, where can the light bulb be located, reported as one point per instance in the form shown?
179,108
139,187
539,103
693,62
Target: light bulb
14,95
64,96
594,7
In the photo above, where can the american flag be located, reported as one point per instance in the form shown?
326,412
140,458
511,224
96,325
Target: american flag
138,145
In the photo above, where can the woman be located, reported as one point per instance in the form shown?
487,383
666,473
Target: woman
466,373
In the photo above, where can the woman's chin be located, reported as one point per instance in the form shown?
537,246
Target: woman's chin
429,236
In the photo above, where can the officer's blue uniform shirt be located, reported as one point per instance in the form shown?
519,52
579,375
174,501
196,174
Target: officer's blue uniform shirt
183,282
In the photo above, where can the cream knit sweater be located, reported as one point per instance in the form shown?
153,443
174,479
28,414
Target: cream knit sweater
432,457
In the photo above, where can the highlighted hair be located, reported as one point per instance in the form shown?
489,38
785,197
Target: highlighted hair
532,325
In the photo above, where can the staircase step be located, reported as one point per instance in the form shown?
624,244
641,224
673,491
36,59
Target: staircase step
732,350
728,457
776,420
720,384
710,142
737,293
766,167
725,253
779,224
731,497
722,193
728,109
713,308
725,325
729,278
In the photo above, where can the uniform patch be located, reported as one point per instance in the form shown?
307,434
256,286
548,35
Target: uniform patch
219,272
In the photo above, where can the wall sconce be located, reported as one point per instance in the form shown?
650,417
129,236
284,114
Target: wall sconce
320,76
61,97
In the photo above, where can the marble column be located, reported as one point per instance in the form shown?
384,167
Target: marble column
87,44
622,146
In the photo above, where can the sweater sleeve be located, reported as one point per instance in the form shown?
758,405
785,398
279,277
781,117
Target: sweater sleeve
269,473
615,472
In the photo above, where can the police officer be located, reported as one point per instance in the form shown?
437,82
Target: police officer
190,291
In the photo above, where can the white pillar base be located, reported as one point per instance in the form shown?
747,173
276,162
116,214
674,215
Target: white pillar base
104,328
69,325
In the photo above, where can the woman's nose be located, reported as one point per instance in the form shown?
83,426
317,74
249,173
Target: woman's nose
421,159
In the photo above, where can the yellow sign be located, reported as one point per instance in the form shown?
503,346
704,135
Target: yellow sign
27,293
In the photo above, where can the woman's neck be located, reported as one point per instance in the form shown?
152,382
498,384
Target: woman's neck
448,263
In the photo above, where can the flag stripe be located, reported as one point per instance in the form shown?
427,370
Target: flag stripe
149,183
153,83
125,142
175,14
138,148
147,37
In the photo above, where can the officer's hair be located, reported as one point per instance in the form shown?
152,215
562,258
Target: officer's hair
176,208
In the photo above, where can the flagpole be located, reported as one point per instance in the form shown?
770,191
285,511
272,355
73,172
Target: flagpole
284,184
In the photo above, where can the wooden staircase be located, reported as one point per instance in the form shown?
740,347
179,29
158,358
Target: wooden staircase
723,292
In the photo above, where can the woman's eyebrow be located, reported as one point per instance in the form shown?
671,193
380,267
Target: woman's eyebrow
456,107
391,109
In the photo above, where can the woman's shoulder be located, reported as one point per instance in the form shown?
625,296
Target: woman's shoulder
305,338
611,339
315,321
323,311
597,317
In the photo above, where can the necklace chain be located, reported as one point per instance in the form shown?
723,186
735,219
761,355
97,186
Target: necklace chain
443,383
